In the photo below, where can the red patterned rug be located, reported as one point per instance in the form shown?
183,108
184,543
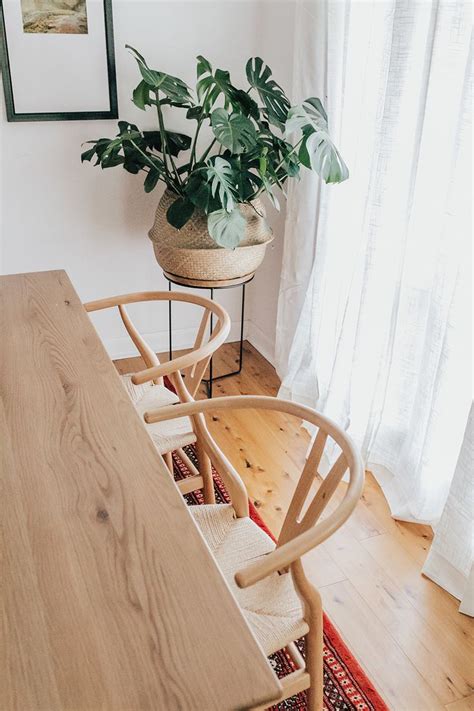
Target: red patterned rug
346,686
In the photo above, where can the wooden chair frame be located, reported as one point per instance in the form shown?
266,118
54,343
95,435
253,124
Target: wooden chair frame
301,531
192,365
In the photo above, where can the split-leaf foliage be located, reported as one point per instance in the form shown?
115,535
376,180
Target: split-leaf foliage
258,141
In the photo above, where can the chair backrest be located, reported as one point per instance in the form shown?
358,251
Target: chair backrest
302,529
193,363
306,507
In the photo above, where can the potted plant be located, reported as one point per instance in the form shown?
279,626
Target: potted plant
210,222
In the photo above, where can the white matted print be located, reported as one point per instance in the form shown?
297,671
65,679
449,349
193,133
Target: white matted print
60,59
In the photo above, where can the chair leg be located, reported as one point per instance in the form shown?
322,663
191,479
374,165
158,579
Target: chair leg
293,684
314,658
168,457
205,470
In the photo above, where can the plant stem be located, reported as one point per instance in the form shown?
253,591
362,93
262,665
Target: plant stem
147,170
192,159
145,155
262,188
164,143
206,153
290,153
254,209
176,183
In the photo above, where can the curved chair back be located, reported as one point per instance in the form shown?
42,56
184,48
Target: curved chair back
193,363
301,531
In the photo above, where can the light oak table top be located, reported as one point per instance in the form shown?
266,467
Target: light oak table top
111,599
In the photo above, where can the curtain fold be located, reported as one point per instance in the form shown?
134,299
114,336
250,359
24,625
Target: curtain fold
451,557
374,309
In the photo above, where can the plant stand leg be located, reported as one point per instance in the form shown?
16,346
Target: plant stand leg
212,379
170,326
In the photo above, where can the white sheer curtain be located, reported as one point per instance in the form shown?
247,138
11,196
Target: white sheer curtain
450,560
374,320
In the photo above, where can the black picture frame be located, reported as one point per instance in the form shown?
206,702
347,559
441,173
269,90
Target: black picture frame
13,115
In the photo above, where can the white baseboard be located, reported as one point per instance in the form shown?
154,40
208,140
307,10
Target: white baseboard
182,338
122,347
260,341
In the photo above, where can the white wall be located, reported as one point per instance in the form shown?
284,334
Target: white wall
57,213
275,46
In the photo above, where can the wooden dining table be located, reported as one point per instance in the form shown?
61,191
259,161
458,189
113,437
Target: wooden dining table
111,598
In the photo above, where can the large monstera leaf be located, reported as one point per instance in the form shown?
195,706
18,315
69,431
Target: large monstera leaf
317,150
179,212
210,86
310,113
175,89
324,158
141,95
198,191
227,229
272,95
247,179
235,131
176,142
220,176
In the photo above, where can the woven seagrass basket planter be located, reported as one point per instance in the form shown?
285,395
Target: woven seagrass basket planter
191,253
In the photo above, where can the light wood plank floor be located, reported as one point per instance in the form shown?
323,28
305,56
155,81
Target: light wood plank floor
405,631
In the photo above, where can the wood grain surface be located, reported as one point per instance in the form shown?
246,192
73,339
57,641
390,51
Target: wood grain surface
111,599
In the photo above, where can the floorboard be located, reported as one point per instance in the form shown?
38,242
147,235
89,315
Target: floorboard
466,704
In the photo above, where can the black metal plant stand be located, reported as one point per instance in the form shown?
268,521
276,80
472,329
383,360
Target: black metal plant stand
172,279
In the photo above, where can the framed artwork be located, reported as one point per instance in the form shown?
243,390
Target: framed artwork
58,61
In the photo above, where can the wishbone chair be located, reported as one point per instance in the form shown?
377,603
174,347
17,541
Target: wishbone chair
268,580
147,390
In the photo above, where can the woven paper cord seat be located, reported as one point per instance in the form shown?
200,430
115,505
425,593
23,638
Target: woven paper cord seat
272,606
169,435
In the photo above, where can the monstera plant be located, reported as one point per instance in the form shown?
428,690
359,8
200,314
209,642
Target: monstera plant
256,141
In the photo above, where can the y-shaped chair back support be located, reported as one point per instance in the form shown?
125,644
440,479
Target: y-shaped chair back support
300,532
302,529
192,364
